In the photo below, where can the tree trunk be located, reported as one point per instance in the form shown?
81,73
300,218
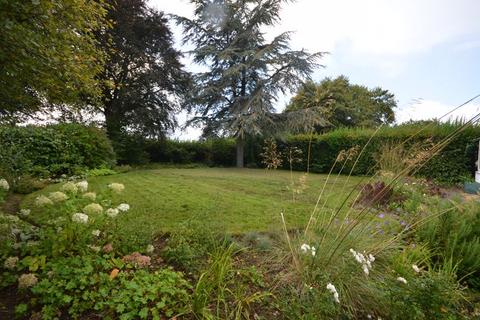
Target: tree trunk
240,152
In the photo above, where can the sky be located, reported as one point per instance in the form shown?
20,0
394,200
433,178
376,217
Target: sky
424,51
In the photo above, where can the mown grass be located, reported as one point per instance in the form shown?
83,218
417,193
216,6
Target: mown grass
231,200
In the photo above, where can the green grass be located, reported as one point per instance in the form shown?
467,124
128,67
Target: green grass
232,200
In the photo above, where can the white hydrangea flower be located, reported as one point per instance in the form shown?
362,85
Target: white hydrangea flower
10,263
80,217
150,248
333,290
124,207
25,212
402,280
27,280
82,186
112,212
90,196
96,233
41,201
415,268
116,187
70,187
58,196
93,208
4,184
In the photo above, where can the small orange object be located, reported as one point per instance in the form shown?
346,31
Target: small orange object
114,273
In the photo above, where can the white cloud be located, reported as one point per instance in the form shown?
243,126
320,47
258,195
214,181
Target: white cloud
430,109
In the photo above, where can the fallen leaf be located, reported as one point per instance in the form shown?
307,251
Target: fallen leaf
114,273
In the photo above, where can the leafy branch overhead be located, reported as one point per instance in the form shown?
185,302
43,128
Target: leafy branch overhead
244,73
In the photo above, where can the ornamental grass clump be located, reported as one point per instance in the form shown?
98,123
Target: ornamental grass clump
387,257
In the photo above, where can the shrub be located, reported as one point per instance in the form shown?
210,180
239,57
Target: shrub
455,163
53,150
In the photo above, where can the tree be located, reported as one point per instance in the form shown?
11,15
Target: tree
345,104
143,81
245,74
49,54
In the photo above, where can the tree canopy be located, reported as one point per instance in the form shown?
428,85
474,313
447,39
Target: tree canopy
245,74
142,82
344,104
49,53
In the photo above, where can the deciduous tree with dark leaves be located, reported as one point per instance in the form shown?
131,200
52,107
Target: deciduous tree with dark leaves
143,82
244,73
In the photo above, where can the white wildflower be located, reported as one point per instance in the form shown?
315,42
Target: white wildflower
90,196
10,263
415,268
116,187
27,280
82,186
402,280
4,184
96,233
124,207
364,260
24,212
112,212
41,201
58,196
305,248
70,187
333,290
80,217
93,208
313,251
365,269
150,248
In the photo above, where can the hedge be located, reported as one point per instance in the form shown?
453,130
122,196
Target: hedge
53,150
455,163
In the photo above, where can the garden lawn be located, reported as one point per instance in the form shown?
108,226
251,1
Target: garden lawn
231,200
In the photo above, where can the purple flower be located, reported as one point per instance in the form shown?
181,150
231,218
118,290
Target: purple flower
381,216
403,223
